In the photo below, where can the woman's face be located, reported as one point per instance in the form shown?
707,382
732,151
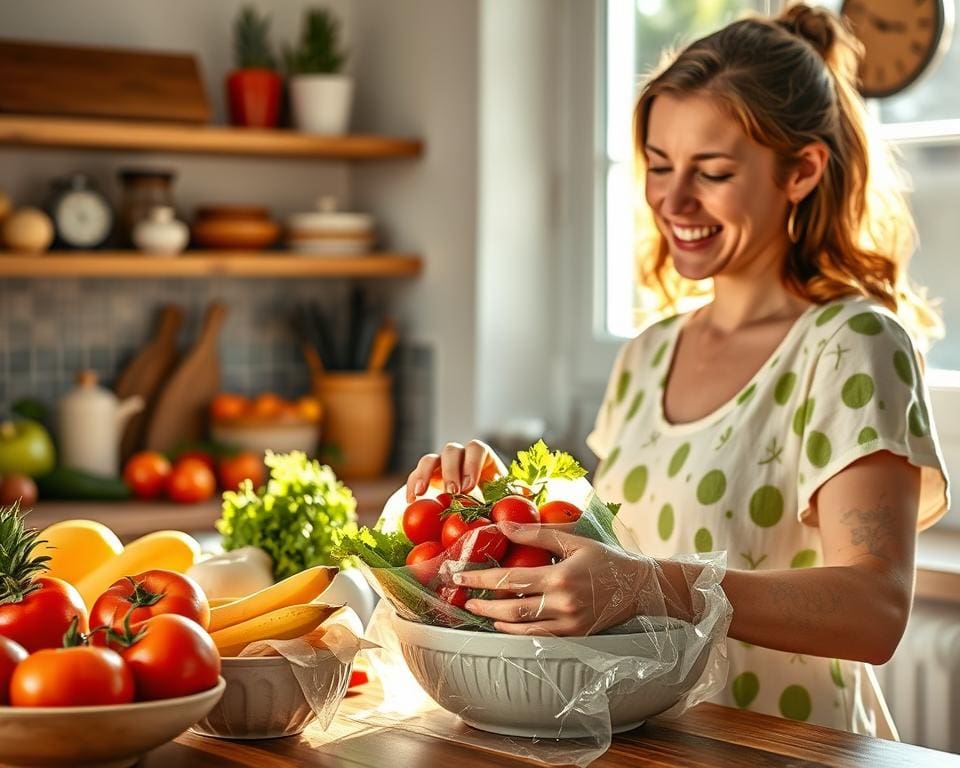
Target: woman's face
711,189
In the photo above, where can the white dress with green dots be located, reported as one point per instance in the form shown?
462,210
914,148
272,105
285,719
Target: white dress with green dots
843,383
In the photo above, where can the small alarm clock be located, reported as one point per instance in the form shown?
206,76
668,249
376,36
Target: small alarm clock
82,215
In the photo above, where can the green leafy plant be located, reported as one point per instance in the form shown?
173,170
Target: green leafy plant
296,517
251,40
530,471
319,50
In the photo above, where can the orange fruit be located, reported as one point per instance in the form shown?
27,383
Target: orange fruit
227,406
309,408
267,405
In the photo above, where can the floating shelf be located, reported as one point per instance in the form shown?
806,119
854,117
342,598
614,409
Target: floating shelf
71,133
267,264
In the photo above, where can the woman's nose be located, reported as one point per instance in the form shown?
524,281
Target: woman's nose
680,197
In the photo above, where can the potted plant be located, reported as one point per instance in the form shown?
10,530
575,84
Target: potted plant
320,96
254,88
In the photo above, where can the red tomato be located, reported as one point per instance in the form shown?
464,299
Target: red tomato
524,556
242,466
171,656
191,481
148,594
419,559
147,474
558,512
11,654
206,458
457,596
71,677
422,521
515,509
42,618
487,544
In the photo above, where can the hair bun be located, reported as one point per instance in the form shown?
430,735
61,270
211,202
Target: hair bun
815,25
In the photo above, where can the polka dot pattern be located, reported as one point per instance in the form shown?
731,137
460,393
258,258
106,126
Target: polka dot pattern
609,462
745,688
678,459
623,384
795,703
819,449
866,323
901,364
703,541
918,421
867,435
784,388
665,522
766,506
635,484
712,486
805,558
658,355
803,415
828,314
857,390
635,405
746,394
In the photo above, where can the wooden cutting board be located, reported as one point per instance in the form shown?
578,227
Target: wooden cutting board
146,372
180,415
43,79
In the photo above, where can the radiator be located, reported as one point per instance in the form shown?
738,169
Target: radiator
921,683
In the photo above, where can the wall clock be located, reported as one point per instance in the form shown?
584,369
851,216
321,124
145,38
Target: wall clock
901,39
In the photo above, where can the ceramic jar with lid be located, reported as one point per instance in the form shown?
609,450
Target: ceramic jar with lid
327,231
143,190
160,234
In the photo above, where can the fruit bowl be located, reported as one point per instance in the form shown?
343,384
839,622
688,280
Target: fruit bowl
104,736
543,686
259,435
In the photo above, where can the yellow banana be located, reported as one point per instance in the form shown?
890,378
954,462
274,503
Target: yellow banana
217,602
76,547
286,623
300,588
171,550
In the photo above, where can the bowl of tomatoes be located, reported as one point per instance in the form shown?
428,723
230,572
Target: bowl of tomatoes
266,422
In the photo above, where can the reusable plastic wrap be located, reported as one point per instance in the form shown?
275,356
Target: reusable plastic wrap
556,700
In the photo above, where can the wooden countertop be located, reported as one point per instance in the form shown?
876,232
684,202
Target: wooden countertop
708,735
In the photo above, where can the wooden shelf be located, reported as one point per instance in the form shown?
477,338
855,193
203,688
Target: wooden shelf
71,133
244,264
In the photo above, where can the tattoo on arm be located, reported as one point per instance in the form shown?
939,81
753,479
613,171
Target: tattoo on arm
871,528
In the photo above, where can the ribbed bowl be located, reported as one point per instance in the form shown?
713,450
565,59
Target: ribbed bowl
535,687
263,699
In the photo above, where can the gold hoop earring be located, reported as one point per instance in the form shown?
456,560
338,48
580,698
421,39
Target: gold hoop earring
792,225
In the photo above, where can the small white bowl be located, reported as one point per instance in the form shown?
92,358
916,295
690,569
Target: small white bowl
519,685
280,437
111,736
264,700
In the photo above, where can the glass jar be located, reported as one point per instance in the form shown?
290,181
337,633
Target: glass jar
143,190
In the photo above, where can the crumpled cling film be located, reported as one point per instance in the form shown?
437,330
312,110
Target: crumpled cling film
554,700
321,660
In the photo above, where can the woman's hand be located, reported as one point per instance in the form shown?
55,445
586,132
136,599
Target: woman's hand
592,588
460,468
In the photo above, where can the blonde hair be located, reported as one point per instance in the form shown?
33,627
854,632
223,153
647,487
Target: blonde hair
790,81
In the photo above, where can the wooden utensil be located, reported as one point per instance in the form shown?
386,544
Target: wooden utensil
180,415
383,344
42,79
146,372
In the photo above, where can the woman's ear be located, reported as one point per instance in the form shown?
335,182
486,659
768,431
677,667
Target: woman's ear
807,171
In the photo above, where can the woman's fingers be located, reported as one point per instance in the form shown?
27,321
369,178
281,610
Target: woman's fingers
419,479
544,536
527,580
475,456
451,464
523,609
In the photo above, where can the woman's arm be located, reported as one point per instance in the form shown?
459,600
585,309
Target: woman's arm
856,606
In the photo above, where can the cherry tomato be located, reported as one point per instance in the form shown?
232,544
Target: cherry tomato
419,560
147,474
148,594
44,615
524,556
11,654
558,512
457,596
171,656
487,544
191,481
71,677
515,509
422,521
235,469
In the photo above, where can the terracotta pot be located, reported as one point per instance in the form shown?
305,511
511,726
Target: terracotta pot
244,227
358,421
253,96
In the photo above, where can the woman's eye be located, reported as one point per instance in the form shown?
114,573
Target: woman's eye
715,177
660,171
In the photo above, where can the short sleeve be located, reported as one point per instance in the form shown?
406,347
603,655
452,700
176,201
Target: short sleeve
601,438
866,394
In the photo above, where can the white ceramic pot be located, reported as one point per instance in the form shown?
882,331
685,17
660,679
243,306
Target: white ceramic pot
160,233
321,103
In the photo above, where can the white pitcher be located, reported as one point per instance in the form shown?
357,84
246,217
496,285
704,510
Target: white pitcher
91,420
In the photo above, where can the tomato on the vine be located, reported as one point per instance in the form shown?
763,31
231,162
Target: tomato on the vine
485,545
422,521
515,509
11,654
169,656
559,512
71,677
445,500
525,556
419,560
148,594
41,617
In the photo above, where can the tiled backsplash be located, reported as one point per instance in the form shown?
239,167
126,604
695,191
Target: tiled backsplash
50,329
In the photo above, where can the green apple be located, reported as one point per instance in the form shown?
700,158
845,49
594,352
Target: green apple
25,448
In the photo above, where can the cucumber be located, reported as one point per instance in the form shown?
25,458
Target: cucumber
68,483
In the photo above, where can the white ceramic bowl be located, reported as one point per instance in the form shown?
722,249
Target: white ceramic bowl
105,736
264,700
518,685
280,437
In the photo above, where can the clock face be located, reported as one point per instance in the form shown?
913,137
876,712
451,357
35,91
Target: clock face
900,37
83,219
